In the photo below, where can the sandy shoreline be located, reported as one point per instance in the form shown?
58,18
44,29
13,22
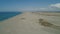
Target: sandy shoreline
27,23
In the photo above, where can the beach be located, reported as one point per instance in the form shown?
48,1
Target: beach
28,23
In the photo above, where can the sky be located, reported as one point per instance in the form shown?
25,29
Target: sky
29,5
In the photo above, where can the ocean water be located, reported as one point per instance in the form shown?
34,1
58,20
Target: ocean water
6,15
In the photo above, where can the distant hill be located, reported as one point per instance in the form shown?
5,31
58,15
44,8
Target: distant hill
50,11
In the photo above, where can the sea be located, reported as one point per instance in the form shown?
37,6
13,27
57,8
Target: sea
7,15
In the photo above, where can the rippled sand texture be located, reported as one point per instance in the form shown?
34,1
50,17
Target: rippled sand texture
29,23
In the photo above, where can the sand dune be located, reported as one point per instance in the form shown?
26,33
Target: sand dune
28,23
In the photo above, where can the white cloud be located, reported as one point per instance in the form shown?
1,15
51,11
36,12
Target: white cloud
51,7
57,5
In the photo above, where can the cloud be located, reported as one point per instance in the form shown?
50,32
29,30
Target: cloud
54,7
51,7
57,5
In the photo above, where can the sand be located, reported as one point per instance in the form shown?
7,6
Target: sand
28,23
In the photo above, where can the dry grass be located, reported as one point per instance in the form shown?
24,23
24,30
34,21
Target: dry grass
47,24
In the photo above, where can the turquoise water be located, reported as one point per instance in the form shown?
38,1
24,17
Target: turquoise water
6,15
